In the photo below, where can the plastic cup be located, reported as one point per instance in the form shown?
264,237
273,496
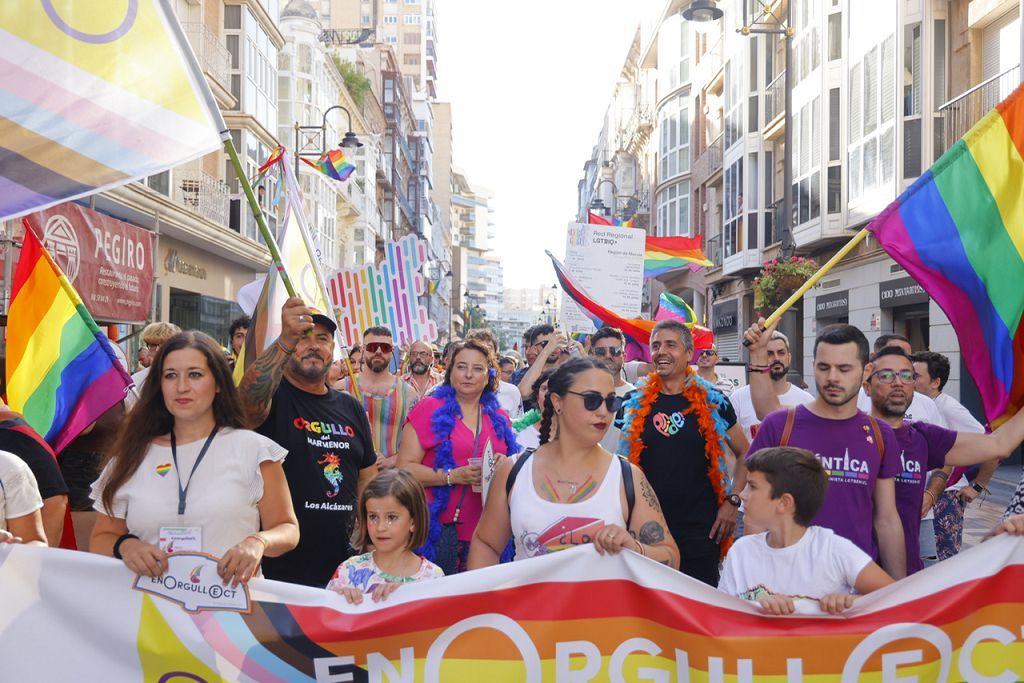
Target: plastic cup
476,462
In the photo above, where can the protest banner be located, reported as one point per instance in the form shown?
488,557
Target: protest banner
570,616
386,294
608,263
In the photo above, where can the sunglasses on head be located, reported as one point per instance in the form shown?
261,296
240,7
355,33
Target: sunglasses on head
613,351
378,347
592,400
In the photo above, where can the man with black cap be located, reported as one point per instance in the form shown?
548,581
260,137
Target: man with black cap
330,447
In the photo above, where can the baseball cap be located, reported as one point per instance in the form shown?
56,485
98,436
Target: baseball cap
321,319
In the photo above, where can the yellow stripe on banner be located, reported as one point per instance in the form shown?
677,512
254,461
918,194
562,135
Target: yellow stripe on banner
41,351
137,54
1002,169
52,155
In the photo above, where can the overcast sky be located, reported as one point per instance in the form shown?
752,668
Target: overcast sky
529,82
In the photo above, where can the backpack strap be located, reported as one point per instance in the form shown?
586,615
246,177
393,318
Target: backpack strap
878,437
787,431
627,483
516,466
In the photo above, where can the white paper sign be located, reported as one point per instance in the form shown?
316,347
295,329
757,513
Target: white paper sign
607,262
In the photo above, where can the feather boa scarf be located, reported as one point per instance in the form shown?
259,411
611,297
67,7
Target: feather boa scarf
442,422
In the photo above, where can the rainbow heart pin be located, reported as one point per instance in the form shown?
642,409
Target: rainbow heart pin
162,470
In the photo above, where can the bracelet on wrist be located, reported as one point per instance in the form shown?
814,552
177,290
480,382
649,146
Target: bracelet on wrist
940,473
758,368
283,347
117,544
448,477
259,537
640,548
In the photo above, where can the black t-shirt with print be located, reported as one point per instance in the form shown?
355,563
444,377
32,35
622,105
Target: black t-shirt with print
674,461
328,441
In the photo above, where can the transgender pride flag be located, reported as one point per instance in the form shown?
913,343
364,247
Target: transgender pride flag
94,95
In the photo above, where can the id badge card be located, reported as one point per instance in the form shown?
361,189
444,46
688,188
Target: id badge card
176,539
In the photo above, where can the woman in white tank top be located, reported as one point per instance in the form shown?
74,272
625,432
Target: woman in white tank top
571,491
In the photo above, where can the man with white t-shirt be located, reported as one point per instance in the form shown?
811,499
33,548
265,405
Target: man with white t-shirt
932,374
607,347
20,503
922,407
779,359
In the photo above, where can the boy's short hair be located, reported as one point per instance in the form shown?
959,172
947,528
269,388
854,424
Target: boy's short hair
794,471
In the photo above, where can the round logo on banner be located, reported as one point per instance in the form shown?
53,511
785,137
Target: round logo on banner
60,240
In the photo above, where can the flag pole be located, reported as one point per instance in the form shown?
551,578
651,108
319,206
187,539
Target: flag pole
813,280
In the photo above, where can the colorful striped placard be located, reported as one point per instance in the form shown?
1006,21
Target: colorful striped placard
959,231
79,112
61,371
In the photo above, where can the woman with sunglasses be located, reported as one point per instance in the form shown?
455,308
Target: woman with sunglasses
443,445
571,491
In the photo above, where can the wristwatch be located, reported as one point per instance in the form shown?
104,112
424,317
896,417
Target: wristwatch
733,499
978,487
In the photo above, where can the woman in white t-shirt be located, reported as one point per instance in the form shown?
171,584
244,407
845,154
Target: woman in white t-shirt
571,491
184,476
20,503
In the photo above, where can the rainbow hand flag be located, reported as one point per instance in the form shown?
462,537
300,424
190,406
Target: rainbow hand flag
665,254
94,95
959,231
672,307
61,372
334,165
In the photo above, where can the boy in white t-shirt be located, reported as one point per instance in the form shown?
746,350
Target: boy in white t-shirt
794,560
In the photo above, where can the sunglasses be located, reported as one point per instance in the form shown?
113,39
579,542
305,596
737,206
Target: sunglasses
889,376
707,353
378,347
592,400
613,351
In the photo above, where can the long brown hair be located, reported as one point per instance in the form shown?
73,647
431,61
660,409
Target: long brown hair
149,418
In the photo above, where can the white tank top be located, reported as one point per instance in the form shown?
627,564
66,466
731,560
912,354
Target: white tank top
540,526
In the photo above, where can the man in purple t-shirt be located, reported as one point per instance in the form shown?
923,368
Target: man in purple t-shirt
923,446
859,453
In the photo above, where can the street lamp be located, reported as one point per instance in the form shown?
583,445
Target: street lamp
350,141
702,10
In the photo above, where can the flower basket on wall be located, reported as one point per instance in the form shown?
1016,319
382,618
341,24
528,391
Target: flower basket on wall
778,279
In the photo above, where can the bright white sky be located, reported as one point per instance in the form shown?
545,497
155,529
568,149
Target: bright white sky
529,82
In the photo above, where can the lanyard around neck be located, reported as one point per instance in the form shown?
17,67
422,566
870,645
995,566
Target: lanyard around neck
183,490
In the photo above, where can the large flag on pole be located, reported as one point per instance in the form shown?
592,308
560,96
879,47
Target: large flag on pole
665,254
61,371
959,231
94,95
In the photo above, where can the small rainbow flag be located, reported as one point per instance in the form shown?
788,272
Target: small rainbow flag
959,231
621,223
673,307
665,254
597,219
333,164
61,372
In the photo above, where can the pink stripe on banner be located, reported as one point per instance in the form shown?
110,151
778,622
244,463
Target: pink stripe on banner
956,305
214,634
107,391
82,112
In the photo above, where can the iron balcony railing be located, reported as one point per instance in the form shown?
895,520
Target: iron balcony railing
202,194
966,109
213,55
713,250
775,98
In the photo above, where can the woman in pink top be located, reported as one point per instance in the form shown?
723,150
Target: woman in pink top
444,430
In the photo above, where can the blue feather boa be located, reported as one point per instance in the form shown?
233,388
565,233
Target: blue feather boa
442,423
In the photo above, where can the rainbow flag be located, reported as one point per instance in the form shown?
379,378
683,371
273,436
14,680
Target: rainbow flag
61,371
597,219
672,307
959,231
637,329
94,95
621,223
333,164
665,254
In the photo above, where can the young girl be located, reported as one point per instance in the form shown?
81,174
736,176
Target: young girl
393,517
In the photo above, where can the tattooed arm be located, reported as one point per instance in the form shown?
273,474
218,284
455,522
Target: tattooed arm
648,526
262,378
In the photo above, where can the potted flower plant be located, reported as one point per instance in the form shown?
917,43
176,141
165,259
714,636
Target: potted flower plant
778,279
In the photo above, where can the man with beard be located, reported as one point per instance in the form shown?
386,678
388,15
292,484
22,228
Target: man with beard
707,359
387,398
922,408
859,452
421,376
552,348
672,433
330,447
777,369
924,446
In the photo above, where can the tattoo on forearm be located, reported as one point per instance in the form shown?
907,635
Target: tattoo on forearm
261,381
649,495
652,533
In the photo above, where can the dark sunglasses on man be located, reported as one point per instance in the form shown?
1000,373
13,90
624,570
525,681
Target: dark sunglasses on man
707,353
379,347
613,351
592,400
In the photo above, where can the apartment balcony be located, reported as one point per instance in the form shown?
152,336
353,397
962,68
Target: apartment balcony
202,194
709,66
211,52
962,112
740,253
405,206
774,105
708,163
637,130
